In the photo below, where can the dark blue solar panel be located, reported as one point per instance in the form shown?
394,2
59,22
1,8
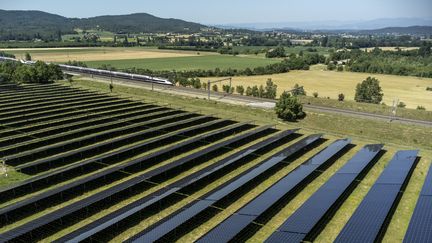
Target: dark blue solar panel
361,159
165,226
173,221
398,169
142,203
314,209
427,186
367,221
308,215
269,197
230,226
285,237
420,227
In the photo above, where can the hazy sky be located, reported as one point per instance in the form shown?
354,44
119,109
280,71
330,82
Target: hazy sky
234,11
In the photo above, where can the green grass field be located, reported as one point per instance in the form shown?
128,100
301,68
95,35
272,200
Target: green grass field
188,63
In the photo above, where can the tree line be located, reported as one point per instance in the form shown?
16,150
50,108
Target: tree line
40,72
404,63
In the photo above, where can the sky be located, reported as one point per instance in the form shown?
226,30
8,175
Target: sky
235,11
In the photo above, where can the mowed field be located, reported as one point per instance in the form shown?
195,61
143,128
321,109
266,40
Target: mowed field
410,90
61,55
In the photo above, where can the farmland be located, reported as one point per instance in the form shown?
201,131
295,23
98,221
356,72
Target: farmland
139,141
410,90
61,55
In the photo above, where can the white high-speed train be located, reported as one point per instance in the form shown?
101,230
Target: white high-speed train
100,72
114,74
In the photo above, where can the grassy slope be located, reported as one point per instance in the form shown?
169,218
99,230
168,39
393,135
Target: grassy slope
395,137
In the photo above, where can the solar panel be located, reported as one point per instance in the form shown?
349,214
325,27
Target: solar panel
420,226
167,225
139,205
368,221
312,212
277,191
105,145
105,173
285,237
110,192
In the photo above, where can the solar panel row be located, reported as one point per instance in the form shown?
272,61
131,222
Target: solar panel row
315,210
175,220
368,222
95,124
86,111
17,152
10,211
78,106
49,106
420,226
134,184
196,177
86,166
32,104
290,184
78,148
133,107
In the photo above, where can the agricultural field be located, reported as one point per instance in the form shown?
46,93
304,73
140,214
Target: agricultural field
136,161
62,55
410,90
205,62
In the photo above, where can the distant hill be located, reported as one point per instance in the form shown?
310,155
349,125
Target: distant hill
23,25
411,30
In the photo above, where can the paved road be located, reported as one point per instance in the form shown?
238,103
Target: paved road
258,102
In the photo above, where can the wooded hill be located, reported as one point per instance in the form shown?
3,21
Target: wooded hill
27,25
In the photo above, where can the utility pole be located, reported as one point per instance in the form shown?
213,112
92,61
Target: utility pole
217,81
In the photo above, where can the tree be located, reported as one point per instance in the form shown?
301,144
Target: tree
369,91
261,91
341,97
240,89
27,56
421,108
315,94
215,88
289,107
276,52
270,89
255,91
111,87
248,91
298,90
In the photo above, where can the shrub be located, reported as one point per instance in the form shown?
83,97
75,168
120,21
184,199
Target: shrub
340,68
421,108
401,105
369,91
289,107
429,88
215,88
341,97
240,89
315,94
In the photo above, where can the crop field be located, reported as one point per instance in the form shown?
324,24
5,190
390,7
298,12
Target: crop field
61,55
87,165
206,62
410,90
